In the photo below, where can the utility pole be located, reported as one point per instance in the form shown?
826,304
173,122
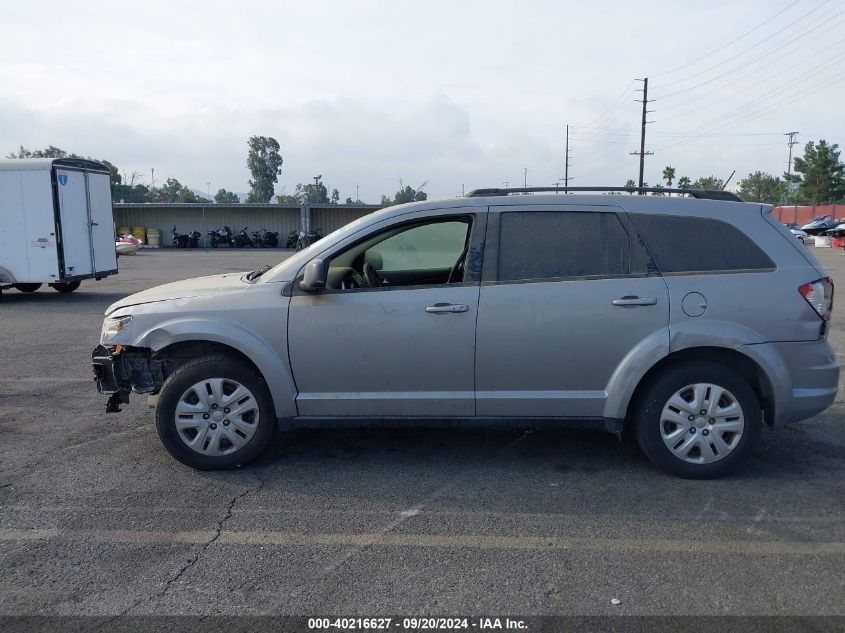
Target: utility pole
153,177
525,177
790,142
208,190
357,197
566,165
642,153
507,183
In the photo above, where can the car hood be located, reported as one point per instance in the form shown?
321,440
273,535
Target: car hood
198,287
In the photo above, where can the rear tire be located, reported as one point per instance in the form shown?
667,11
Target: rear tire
711,444
27,287
215,444
69,286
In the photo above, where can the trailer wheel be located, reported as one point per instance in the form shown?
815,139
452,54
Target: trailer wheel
27,287
69,286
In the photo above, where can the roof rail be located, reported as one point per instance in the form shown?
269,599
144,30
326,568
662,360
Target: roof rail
703,194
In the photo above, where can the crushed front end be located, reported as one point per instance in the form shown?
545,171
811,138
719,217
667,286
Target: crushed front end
119,370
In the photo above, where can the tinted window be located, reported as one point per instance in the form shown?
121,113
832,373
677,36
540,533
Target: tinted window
551,244
437,245
683,244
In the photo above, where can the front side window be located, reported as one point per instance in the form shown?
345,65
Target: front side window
563,244
416,254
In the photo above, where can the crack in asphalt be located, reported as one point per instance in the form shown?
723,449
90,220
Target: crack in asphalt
217,532
193,561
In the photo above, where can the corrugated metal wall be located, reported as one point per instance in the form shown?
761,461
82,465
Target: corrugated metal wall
204,218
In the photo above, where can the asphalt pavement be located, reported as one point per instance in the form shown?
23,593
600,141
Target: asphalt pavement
97,519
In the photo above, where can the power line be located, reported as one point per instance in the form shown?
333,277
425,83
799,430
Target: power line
724,122
733,41
750,48
774,49
778,75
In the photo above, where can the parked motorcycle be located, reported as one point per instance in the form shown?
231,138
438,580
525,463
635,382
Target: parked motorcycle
194,239
220,237
306,239
179,240
293,238
242,239
265,238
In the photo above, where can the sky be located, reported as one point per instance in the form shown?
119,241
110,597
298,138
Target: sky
459,95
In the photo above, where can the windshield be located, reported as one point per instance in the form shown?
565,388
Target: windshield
286,270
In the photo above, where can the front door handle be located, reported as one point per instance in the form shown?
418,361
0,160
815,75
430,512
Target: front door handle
630,300
438,308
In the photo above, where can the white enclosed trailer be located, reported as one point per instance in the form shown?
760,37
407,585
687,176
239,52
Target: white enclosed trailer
56,223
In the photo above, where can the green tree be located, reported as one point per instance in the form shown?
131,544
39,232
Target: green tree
708,182
284,198
265,164
226,197
669,175
631,183
49,152
349,200
312,193
822,177
335,196
658,193
762,187
405,194
684,182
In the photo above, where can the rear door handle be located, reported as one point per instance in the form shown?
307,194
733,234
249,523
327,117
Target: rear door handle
629,300
438,308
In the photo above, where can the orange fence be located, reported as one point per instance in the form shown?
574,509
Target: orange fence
801,215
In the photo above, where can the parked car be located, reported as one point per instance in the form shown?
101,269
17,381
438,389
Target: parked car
688,322
800,234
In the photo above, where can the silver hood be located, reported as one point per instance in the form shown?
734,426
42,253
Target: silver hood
198,287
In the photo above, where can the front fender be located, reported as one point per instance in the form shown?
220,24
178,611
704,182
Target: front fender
270,363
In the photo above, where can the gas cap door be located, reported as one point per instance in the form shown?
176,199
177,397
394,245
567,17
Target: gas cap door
694,304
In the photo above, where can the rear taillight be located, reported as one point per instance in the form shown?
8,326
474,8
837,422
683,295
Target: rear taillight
819,294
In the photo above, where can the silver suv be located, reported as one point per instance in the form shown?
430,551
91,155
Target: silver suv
685,321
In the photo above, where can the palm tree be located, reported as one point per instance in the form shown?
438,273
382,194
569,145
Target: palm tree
630,183
669,175
684,182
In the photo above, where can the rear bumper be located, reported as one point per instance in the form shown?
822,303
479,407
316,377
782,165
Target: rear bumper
814,376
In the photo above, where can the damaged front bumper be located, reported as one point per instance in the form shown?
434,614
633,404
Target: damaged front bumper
119,370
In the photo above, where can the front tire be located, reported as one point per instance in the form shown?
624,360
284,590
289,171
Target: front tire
69,286
215,413
700,420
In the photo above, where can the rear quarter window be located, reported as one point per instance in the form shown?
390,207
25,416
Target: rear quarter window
681,244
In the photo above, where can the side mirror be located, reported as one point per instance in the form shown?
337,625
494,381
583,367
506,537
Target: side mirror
315,276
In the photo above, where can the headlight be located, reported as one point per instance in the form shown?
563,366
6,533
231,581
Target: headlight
113,327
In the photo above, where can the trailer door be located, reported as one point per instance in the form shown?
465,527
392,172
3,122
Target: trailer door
102,222
72,193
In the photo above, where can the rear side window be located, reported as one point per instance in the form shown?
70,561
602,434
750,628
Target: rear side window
555,244
681,244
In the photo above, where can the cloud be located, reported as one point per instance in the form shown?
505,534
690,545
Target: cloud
347,141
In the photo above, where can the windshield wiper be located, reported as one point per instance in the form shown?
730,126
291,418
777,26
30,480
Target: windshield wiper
255,274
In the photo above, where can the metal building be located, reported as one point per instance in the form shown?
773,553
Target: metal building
206,217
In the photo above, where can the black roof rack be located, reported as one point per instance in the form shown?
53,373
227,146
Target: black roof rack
703,194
